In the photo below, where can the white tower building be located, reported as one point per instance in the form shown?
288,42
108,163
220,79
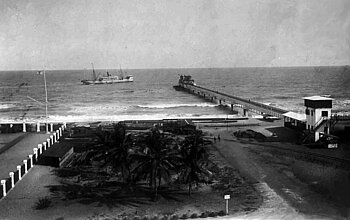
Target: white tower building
318,113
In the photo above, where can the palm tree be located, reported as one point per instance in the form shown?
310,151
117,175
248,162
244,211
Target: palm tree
96,149
156,159
194,160
119,154
112,148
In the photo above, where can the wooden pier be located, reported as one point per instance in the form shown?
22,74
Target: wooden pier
187,84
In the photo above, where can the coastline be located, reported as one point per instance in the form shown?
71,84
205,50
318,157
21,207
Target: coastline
115,119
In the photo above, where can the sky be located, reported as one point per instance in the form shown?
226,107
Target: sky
72,34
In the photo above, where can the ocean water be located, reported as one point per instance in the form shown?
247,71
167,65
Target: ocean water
151,95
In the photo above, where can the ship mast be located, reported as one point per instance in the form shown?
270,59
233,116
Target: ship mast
93,72
120,69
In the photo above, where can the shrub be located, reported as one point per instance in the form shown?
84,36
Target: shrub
104,217
155,217
212,214
70,195
194,215
184,216
165,217
136,217
204,215
174,217
146,217
42,203
222,213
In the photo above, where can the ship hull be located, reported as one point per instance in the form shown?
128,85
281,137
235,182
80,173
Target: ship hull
100,82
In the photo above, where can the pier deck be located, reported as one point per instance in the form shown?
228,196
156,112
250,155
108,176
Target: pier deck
221,97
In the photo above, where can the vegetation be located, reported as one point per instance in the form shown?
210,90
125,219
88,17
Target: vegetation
42,203
222,213
194,215
128,169
119,155
194,161
204,215
155,157
212,214
160,217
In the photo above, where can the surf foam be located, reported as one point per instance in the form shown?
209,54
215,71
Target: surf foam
165,106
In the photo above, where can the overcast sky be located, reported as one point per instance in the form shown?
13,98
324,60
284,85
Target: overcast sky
173,34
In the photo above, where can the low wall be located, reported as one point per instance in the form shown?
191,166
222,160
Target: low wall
16,126
23,168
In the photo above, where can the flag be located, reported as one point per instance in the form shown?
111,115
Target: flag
40,72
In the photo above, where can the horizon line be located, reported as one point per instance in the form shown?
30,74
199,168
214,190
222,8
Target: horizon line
155,68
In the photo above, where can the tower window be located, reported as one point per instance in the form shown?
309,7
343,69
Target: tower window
324,113
312,113
307,112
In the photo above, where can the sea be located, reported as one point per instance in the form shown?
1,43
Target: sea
152,96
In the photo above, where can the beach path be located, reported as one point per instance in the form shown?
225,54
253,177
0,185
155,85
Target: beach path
15,154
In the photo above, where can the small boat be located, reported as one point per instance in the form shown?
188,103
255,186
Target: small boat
178,88
108,79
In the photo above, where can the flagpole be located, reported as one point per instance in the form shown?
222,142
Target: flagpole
47,125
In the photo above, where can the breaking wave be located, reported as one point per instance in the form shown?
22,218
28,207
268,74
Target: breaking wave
98,108
165,106
346,102
94,118
7,106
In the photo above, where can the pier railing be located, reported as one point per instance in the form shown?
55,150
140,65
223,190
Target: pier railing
254,106
340,117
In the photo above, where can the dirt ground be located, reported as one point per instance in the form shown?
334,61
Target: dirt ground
312,190
273,186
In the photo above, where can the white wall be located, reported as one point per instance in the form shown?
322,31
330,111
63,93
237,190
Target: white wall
317,114
311,120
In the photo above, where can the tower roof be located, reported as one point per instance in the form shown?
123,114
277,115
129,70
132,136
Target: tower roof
318,102
317,98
